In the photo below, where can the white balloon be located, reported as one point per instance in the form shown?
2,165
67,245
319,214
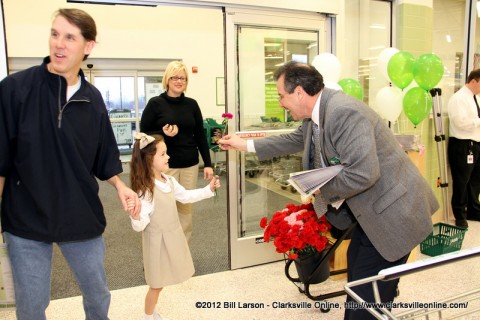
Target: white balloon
389,103
332,85
328,65
383,59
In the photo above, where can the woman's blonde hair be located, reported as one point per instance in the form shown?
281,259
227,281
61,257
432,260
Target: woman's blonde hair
174,68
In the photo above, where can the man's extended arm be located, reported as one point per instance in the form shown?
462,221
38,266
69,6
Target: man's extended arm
233,142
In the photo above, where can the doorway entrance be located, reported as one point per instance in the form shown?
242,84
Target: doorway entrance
256,45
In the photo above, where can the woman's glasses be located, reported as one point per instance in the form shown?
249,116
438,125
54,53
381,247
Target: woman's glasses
181,79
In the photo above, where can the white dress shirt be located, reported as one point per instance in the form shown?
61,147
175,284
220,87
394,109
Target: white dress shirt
463,116
181,194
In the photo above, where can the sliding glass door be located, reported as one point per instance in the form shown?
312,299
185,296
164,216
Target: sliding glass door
259,188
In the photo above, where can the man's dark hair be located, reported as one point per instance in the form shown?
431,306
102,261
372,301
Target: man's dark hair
474,75
300,74
82,20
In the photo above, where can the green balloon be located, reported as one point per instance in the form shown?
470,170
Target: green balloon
428,71
351,87
417,104
400,69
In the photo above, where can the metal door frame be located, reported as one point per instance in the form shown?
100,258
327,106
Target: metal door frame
249,251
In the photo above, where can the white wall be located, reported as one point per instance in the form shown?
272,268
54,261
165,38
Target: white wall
194,35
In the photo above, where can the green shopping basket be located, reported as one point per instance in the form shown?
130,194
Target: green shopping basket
445,238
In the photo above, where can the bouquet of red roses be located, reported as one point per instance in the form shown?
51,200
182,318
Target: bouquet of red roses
296,230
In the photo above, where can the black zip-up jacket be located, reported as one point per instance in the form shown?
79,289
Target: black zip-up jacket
51,152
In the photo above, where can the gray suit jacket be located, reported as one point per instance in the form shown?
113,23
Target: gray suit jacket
390,199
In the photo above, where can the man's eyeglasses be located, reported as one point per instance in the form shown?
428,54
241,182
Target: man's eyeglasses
181,79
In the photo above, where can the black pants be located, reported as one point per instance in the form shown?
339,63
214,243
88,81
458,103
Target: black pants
465,177
364,261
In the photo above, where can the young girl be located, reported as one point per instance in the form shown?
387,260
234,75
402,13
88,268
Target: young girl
166,255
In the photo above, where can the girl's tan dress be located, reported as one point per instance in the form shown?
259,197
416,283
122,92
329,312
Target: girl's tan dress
166,255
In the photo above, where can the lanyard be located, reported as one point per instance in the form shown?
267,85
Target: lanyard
478,108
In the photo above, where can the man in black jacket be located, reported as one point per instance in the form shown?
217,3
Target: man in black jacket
55,140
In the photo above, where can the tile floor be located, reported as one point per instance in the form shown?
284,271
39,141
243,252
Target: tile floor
229,295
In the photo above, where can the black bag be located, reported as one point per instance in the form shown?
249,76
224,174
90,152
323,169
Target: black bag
340,219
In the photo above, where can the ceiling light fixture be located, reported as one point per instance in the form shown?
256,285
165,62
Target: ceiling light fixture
377,26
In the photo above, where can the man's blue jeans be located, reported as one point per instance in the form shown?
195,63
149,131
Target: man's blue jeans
32,266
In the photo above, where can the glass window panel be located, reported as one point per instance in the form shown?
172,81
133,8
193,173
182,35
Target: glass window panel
264,189
148,87
267,49
372,20
117,92
448,43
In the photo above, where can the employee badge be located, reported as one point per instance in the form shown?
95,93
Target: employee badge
470,159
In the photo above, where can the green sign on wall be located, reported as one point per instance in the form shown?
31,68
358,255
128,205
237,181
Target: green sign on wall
272,106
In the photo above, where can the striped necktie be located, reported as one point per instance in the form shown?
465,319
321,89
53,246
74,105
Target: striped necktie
319,204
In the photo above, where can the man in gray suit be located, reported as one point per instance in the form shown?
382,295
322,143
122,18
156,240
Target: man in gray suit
383,189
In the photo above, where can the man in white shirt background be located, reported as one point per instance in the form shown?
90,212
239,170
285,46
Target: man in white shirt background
464,150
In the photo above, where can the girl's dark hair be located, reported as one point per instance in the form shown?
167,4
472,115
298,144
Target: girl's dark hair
142,177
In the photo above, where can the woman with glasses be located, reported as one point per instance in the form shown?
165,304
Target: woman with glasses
179,119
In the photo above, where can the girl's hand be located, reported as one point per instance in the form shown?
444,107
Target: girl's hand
214,183
170,130
131,208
